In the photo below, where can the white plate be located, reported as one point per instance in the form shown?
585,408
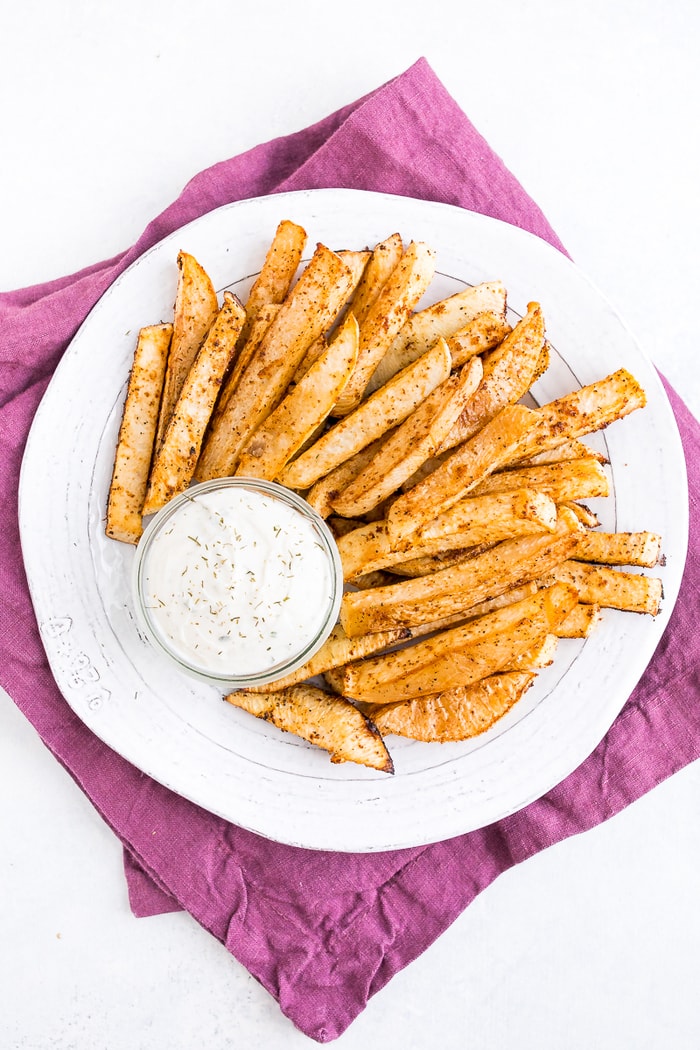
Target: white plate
182,733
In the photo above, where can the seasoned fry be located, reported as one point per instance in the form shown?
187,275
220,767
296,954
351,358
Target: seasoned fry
484,332
460,472
384,319
567,481
484,519
175,460
581,622
245,349
373,417
412,442
619,548
196,306
609,588
383,260
299,414
309,309
461,655
455,714
509,372
441,320
137,431
322,493
278,270
508,564
330,722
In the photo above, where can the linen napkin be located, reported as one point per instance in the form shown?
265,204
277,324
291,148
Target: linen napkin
323,932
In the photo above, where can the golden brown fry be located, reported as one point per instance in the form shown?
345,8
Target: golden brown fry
399,295
174,462
456,714
137,431
460,472
619,548
323,492
327,721
484,519
568,450
309,309
244,351
299,414
383,260
568,481
509,372
581,622
196,306
413,441
484,332
609,588
461,655
506,565
373,418
279,268
441,320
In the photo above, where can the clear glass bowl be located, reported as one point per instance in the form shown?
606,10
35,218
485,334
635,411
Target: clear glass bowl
237,580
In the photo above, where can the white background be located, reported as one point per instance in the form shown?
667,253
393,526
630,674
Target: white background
108,110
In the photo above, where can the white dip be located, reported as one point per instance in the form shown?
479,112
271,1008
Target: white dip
237,582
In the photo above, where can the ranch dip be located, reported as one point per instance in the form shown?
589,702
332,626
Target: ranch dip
237,581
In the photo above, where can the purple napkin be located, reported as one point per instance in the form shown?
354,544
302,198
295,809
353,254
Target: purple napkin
323,932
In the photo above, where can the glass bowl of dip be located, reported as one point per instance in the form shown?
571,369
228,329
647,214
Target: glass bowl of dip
237,580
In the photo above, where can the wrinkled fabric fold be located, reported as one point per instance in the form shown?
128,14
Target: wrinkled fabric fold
323,932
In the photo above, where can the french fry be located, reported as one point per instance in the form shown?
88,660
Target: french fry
581,622
330,722
299,414
569,480
619,548
484,332
459,472
174,462
455,714
278,270
383,260
245,350
371,419
487,519
309,309
609,588
509,372
137,432
507,564
384,319
413,441
441,320
460,655
196,306
322,493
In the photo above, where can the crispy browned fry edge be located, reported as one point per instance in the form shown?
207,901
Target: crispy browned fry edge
372,418
456,714
564,482
484,332
384,259
330,722
174,462
278,270
137,431
196,306
308,310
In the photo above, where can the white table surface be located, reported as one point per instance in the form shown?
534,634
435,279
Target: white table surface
107,111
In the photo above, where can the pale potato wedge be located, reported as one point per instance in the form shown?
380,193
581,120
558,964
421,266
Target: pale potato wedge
196,306
137,431
373,418
308,310
397,298
456,714
507,564
442,319
329,722
413,441
174,462
301,412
